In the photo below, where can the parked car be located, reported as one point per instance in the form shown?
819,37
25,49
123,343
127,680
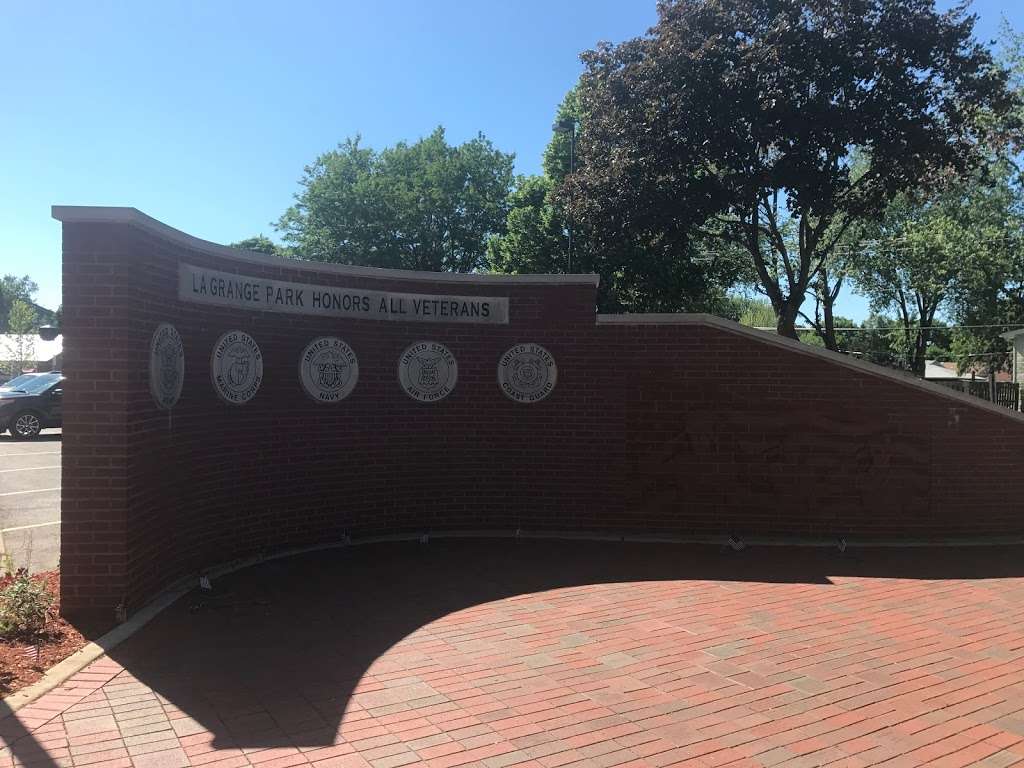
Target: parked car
31,403
11,383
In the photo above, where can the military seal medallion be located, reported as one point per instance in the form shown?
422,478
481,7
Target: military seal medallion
328,369
166,365
236,367
427,371
527,373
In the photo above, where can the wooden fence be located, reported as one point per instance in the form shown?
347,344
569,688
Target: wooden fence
1004,393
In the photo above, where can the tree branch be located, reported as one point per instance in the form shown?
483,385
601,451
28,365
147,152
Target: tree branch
775,236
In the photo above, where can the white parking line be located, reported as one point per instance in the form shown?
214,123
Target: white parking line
28,469
35,490
26,527
31,453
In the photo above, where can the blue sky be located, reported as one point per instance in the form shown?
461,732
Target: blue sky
203,114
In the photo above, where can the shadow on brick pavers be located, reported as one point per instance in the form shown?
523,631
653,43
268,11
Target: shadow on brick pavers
388,645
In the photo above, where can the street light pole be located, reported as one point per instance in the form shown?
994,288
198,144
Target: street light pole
568,125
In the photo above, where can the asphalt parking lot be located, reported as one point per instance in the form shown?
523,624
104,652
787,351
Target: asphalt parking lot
30,500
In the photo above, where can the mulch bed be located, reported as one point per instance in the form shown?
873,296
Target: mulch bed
24,660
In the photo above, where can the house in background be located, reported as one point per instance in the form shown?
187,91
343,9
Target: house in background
941,371
975,380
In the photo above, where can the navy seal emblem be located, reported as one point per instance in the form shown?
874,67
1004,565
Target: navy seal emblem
427,371
328,369
166,365
527,373
236,367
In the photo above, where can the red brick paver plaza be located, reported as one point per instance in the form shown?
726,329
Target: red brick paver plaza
549,654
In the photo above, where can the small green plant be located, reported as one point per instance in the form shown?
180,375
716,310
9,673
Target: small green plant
24,604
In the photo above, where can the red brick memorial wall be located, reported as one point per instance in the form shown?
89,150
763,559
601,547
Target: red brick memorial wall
222,404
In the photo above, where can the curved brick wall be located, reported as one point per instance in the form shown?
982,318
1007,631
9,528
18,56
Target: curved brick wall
683,425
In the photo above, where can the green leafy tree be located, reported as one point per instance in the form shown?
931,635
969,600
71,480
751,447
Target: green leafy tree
834,269
738,120
535,237
879,339
953,251
911,270
637,274
261,244
536,233
752,312
559,156
990,295
22,323
848,341
426,205
14,288
884,341
22,317
988,301
991,302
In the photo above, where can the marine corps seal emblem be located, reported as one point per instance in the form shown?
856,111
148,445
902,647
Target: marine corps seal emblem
166,366
236,367
427,371
328,369
527,373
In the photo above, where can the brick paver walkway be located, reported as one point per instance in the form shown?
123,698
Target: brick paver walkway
561,654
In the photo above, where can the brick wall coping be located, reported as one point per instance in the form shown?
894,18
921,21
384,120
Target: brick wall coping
836,358
90,214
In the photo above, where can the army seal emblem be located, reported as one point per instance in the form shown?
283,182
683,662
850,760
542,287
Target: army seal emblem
236,367
427,371
527,373
166,366
328,369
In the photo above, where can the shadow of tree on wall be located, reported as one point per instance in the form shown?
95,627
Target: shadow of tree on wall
276,654
851,472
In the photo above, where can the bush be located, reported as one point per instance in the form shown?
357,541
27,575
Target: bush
24,604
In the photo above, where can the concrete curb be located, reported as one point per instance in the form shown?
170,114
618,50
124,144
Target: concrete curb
77,661
60,672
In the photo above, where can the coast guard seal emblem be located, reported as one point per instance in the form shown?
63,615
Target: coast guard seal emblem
328,369
527,373
236,367
427,371
166,365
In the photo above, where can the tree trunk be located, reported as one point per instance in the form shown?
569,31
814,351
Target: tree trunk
828,294
786,323
831,342
920,350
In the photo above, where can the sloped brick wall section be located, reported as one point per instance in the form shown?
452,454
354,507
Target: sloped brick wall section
682,425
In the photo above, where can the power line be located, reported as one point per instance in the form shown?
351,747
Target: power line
982,354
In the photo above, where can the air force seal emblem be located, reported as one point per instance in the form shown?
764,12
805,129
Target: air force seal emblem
527,373
236,367
427,371
328,369
166,366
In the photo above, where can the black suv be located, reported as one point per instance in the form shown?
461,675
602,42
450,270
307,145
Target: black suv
30,403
